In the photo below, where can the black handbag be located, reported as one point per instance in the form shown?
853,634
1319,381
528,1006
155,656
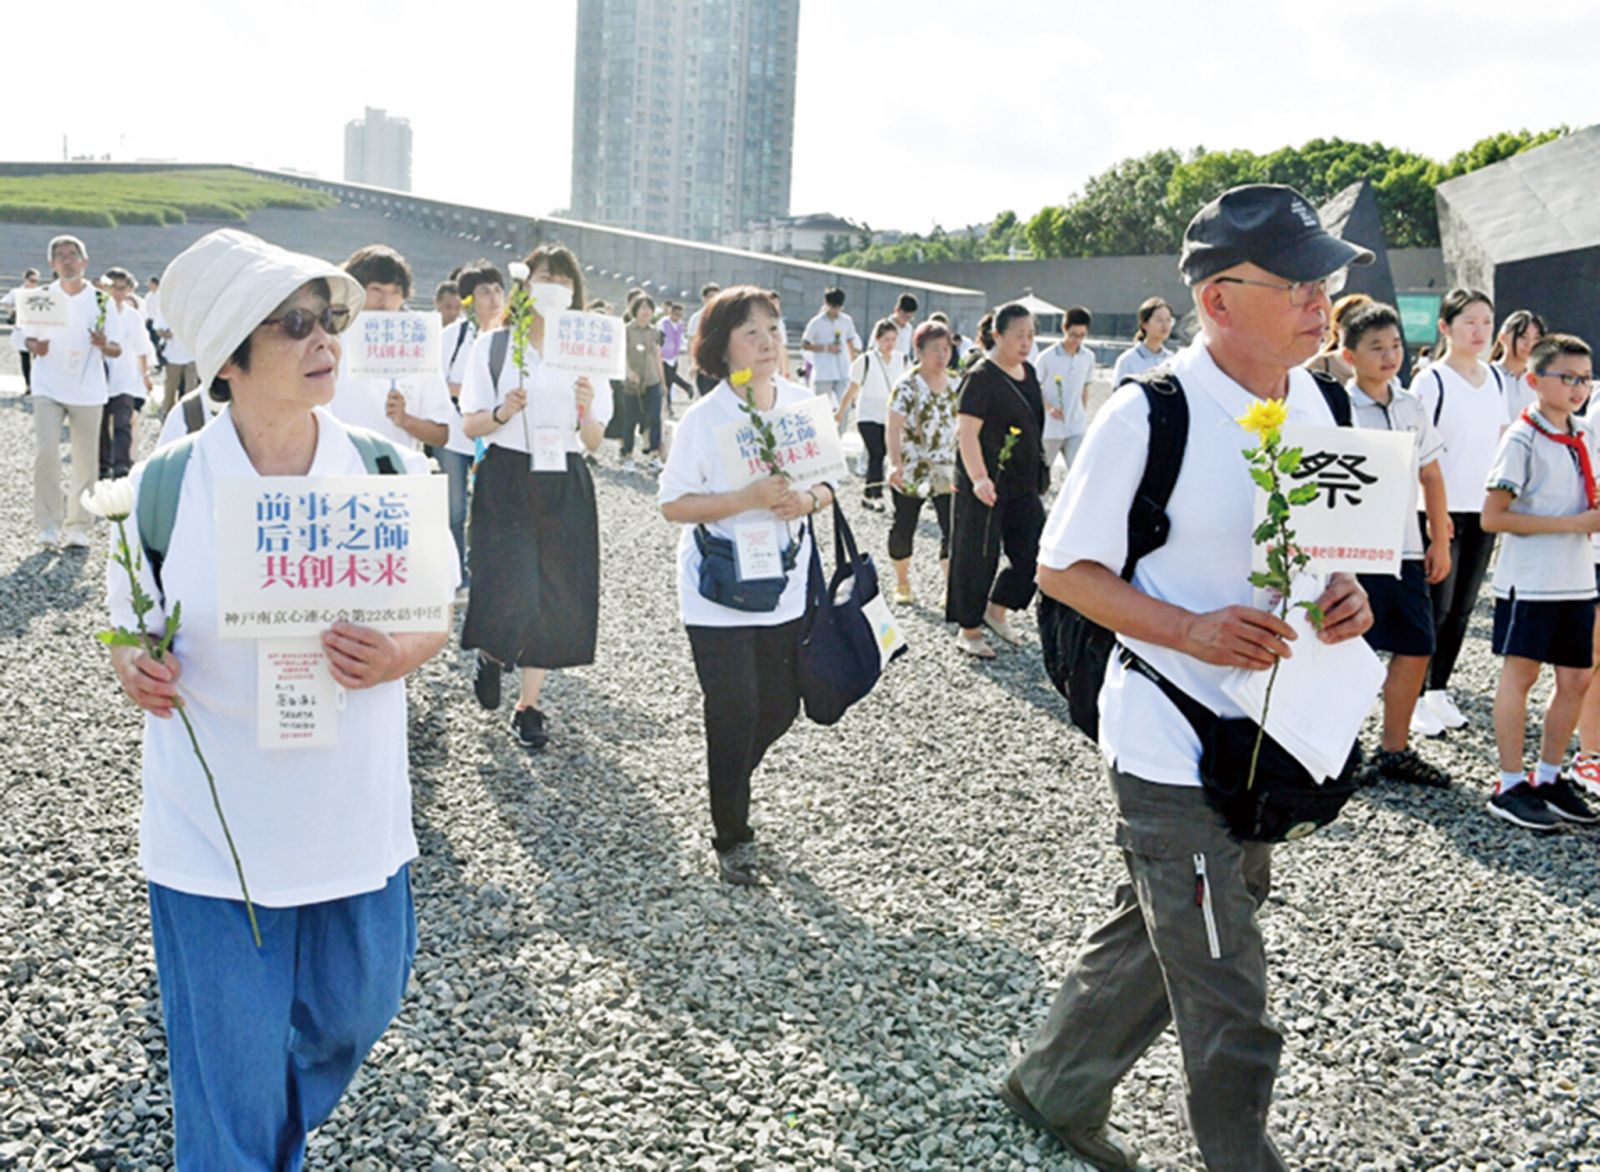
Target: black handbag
838,659
720,581
1284,802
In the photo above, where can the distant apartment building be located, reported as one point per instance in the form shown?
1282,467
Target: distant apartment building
683,118
819,236
377,151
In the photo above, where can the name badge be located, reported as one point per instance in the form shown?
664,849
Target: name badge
73,361
549,449
884,628
757,551
297,698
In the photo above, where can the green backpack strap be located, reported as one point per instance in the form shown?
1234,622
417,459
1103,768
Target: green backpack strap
157,506
380,456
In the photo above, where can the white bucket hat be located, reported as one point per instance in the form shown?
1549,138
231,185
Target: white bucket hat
220,288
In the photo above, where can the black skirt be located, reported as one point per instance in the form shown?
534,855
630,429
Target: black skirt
535,559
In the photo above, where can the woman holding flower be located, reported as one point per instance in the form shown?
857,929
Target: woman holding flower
999,476
535,556
744,647
262,1036
922,451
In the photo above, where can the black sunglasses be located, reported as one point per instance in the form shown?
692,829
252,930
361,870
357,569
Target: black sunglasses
298,323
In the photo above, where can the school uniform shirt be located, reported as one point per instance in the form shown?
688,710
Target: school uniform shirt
1544,480
126,377
1062,377
73,373
360,402
1403,412
1204,565
1470,422
695,466
455,351
876,378
310,824
1518,393
1138,360
552,401
823,330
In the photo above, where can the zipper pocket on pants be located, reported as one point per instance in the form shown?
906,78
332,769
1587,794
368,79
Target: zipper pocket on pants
1202,900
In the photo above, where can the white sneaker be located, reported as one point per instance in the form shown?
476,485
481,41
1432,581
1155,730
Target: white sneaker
628,465
50,538
1424,722
1444,708
76,539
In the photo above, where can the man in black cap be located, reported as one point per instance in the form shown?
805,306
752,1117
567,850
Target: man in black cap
1182,945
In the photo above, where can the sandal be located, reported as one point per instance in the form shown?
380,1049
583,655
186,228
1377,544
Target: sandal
1004,630
977,648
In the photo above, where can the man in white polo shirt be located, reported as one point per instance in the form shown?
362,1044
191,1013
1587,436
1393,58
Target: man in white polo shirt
1183,946
1064,370
832,342
69,385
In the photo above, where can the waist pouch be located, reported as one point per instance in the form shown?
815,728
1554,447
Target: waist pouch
1285,802
719,575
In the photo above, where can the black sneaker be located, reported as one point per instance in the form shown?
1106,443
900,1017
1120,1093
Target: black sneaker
1105,1147
1405,765
527,725
1564,799
740,866
1521,806
486,682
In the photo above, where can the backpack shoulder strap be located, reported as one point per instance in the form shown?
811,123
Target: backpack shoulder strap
1148,524
461,337
194,411
1499,379
377,453
499,346
160,485
1337,398
1438,408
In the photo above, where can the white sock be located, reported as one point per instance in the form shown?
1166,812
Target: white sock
1510,781
1545,773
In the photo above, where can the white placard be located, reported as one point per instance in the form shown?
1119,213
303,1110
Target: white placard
43,308
808,447
1357,523
757,552
296,554
297,699
887,632
592,345
392,345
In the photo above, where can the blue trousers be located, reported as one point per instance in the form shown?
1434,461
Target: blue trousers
458,471
261,1045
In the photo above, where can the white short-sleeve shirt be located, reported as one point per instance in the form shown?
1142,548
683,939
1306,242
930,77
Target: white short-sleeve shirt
1470,422
1204,565
310,824
361,402
73,372
823,330
1403,412
695,466
126,376
876,379
552,401
1062,377
1544,480
1136,360
455,351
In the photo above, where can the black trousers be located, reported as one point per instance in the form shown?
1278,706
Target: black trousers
872,435
27,372
907,509
749,677
116,436
1454,598
674,379
978,534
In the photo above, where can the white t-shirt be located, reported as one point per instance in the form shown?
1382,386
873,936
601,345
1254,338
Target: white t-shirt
551,398
73,372
173,350
1062,377
360,402
455,351
1544,480
1518,393
1403,412
823,330
310,824
876,380
695,466
902,340
1204,566
1470,423
126,378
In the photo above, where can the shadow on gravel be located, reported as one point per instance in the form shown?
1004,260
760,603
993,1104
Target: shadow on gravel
44,582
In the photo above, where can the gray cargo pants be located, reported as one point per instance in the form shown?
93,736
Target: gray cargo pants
1182,946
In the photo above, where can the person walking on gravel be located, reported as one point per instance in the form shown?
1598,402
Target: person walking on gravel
1182,945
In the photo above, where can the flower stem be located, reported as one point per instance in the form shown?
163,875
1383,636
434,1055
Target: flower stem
1266,706
249,908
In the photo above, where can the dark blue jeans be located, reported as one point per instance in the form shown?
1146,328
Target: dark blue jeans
458,469
642,413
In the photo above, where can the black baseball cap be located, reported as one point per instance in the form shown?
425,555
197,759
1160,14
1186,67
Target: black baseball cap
1266,224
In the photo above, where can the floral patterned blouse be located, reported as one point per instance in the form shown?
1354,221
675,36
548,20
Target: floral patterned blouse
928,443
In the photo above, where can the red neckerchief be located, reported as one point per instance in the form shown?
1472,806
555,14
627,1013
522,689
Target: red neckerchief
1579,449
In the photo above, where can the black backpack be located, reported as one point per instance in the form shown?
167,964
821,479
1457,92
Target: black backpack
1076,648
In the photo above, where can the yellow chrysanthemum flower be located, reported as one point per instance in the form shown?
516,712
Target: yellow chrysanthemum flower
1016,431
1264,418
739,377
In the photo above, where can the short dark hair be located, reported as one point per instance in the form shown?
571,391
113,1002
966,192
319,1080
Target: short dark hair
641,299
34,273
1077,316
727,312
1009,312
446,289
378,264
119,274
1148,308
939,315
1552,346
1365,318
833,296
220,391
907,303
885,325
479,272
558,258
710,289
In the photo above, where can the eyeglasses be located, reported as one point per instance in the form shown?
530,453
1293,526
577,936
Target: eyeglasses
298,323
1300,292
1575,381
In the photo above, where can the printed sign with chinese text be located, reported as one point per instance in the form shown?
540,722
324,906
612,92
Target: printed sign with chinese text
295,554
587,344
808,447
392,345
42,309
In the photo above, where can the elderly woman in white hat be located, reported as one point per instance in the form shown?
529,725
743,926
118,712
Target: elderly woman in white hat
263,1041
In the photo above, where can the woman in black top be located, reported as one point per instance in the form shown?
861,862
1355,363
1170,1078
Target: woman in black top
1000,430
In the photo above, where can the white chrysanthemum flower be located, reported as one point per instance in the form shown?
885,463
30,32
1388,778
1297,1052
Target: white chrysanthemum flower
111,499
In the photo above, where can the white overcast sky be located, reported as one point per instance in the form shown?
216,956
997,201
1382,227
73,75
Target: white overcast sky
907,114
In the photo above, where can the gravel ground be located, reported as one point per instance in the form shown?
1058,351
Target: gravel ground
587,995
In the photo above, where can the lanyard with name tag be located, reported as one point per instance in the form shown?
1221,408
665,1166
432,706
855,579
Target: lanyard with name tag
549,449
757,551
297,698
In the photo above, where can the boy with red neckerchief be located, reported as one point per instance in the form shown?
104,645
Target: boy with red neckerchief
1542,495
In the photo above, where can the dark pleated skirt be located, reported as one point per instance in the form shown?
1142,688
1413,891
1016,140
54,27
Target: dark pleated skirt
535,559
